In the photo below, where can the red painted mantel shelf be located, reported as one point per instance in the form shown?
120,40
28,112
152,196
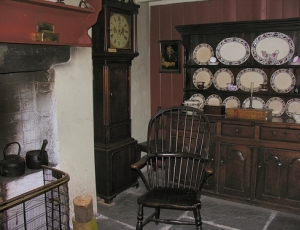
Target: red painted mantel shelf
19,18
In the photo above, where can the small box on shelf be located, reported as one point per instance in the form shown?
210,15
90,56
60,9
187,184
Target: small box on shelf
254,114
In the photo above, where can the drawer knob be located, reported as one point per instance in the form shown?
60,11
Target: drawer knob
274,133
222,162
236,130
259,165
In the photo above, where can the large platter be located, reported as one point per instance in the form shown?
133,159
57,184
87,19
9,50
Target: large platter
213,99
199,97
283,81
203,75
292,106
248,75
202,53
231,102
223,77
233,51
277,105
257,103
272,44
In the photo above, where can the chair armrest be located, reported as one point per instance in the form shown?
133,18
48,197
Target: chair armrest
208,170
140,164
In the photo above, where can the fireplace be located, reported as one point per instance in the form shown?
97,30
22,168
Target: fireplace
46,89
26,96
60,110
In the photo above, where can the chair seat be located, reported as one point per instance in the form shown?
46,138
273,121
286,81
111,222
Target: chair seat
178,198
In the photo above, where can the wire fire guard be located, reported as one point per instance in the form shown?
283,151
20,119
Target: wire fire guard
46,207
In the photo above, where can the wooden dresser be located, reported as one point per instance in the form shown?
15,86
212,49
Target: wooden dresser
255,161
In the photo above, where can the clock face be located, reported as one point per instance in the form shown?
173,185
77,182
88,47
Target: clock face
119,31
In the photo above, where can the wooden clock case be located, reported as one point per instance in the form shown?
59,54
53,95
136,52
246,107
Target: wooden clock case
115,149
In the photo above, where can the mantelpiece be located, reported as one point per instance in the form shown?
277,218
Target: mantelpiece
18,21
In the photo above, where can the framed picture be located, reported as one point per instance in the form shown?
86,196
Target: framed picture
170,56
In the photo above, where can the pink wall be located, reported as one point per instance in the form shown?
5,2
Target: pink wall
167,88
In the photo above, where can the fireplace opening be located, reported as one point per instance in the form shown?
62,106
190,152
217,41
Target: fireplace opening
27,112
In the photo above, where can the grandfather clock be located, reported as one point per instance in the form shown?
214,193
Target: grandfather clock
114,48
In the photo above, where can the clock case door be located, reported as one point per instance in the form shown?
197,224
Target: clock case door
101,30
112,121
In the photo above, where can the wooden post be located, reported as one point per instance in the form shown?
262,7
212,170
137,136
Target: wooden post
83,208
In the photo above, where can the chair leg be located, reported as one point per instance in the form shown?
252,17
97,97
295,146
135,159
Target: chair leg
140,217
157,214
198,220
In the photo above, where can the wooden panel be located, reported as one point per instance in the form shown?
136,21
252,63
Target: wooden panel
204,14
244,10
259,9
190,11
274,9
154,57
217,8
229,11
178,20
165,22
166,90
177,79
291,8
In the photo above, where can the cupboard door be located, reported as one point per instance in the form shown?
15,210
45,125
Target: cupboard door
235,169
210,183
278,176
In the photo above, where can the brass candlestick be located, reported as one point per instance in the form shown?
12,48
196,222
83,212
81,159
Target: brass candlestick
251,98
251,95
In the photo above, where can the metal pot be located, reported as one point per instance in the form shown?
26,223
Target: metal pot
12,165
36,158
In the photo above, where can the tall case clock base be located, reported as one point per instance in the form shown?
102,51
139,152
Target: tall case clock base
113,172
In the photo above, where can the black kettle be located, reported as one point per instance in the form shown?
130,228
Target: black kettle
12,165
36,158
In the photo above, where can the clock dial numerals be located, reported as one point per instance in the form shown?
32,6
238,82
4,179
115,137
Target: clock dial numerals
119,31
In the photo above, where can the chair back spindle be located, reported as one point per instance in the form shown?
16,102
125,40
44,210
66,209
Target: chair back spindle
179,140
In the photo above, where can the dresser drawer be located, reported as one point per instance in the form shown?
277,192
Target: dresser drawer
237,131
285,135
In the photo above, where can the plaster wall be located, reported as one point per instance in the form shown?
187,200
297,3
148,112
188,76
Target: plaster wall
74,105
73,94
140,78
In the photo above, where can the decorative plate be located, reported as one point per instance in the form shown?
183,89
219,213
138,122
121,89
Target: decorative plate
277,105
199,97
213,99
283,81
202,53
233,51
292,106
257,103
223,77
246,76
231,102
272,48
204,75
